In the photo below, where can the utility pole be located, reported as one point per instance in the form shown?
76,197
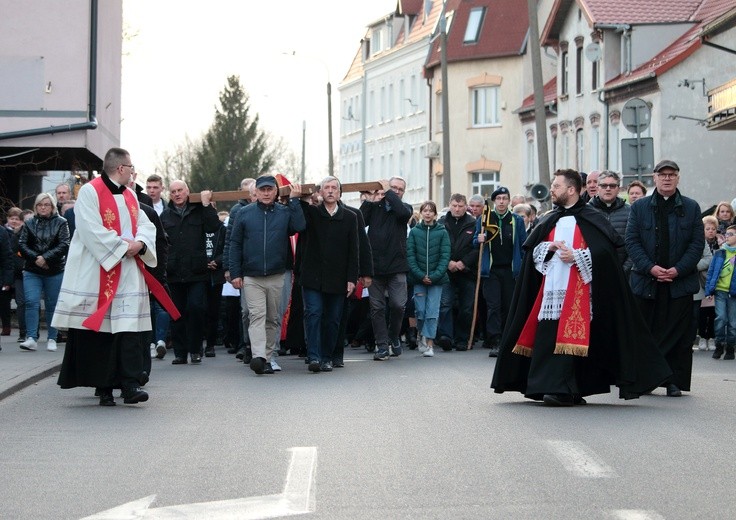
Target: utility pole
331,162
446,173
304,146
540,115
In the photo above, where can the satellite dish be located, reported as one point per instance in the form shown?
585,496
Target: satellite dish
539,192
593,52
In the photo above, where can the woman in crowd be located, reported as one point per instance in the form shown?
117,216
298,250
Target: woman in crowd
725,215
15,224
636,190
428,254
44,242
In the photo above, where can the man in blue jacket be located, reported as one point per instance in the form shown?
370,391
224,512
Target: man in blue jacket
665,240
258,259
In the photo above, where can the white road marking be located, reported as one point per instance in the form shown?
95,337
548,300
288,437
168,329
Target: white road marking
636,514
580,460
296,499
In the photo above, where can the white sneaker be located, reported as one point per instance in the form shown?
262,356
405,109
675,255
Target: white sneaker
275,366
159,348
422,345
28,344
51,345
703,344
429,352
153,350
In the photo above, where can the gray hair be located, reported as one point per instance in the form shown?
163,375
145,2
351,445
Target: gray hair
43,196
398,178
477,198
330,178
608,173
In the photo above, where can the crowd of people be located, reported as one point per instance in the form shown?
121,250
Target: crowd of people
599,291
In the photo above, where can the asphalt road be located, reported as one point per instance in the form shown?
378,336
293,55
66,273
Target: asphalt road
409,438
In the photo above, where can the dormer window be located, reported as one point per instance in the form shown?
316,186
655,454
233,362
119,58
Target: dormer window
475,22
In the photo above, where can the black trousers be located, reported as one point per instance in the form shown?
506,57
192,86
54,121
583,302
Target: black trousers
186,332
214,299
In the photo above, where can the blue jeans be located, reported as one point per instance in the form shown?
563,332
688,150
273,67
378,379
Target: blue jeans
725,324
427,308
322,314
161,320
33,284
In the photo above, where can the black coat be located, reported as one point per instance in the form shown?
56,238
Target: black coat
215,245
387,222
620,342
461,233
187,260
6,258
329,259
365,253
47,237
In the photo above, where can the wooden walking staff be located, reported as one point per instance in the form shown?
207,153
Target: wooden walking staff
307,189
491,230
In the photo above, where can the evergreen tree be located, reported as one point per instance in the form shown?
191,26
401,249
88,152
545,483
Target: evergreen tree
234,147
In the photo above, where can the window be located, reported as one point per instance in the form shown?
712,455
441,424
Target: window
615,148
402,98
485,107
563,73
383,104
579,70
484,183
391,102
475,21
377,41
531,162
594,76
565,151
579,150
595,154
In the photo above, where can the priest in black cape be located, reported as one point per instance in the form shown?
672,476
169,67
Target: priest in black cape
580,331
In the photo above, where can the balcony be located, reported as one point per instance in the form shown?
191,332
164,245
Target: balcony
722,107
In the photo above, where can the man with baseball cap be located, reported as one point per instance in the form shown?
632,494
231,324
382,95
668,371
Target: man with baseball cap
500,263
664,239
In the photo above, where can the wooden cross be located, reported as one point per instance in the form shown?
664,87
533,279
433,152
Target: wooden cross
307,189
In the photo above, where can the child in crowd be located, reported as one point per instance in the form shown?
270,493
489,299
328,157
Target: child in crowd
725,215
707,311
428,254
722,283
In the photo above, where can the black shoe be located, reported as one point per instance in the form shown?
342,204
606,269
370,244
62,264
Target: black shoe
718,352
248,355
411,338
105,395
445,343
268,369
196,358
493,352
143,378
461,347
326,366
258,365
729,353
558,400
314,366
134,395
179,361
232,350
673,390
209,352
240,353
338,364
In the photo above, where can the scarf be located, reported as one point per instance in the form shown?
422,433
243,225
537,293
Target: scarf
109,280
573,330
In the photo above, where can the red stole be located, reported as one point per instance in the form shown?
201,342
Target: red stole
573,330
109,280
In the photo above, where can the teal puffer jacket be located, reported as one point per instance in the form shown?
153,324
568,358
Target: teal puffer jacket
428,253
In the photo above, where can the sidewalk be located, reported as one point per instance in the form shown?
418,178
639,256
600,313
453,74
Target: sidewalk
22,368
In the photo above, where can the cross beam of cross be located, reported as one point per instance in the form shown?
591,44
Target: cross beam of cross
307,189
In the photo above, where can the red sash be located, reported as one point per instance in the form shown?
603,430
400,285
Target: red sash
573,330
109,280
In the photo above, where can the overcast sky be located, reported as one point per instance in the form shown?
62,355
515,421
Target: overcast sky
181,53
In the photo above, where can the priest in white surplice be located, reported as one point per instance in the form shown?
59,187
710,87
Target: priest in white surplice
104,298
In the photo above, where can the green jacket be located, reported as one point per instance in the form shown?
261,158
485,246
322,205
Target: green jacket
428,253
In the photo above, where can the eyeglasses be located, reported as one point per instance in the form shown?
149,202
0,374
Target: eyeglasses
606,186
132,168
667,175
397,188
44,205
729,234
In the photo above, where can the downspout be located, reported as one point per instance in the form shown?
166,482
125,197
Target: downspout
91,122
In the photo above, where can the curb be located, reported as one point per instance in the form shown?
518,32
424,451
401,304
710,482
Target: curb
25,383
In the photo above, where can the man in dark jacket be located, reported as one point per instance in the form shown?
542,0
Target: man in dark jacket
258,258
665,241
460,225
614,208
186,224
387,218
328,272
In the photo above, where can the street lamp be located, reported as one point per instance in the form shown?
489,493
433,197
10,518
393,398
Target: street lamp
331,160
